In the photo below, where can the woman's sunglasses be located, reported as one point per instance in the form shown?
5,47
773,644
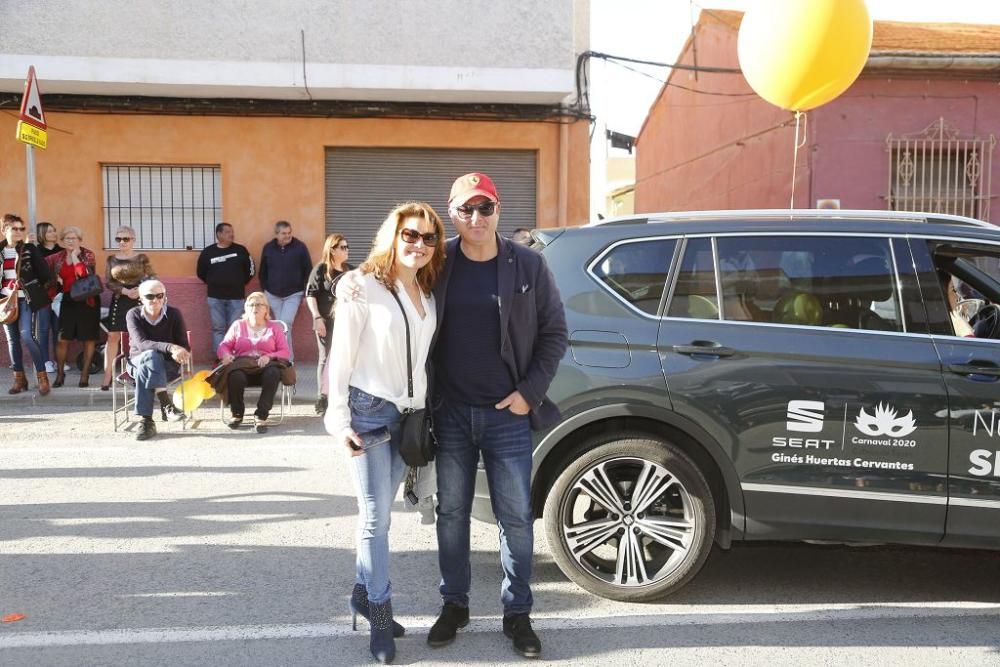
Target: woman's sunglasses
412,236
122,239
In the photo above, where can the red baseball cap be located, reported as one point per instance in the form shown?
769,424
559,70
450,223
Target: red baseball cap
472,185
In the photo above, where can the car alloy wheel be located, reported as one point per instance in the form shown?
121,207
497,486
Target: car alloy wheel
630,520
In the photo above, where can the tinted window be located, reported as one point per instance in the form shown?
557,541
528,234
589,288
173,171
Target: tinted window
966,286
809,280
637,272
694,293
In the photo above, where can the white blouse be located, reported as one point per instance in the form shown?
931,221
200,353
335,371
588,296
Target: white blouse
368,347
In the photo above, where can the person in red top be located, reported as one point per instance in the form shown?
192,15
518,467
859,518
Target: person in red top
258,338
78,320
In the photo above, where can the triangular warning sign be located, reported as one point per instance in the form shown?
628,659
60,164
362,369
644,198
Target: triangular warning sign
31,103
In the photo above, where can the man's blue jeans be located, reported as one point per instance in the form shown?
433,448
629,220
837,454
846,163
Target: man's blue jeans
284,308
504,439
223,313
151,370
377,475
22,331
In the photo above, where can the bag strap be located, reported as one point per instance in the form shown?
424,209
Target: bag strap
409,360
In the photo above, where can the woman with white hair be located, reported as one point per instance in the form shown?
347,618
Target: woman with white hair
78,320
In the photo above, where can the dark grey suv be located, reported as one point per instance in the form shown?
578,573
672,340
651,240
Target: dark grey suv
768,375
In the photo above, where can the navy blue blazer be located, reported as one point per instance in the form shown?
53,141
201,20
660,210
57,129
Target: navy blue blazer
533,336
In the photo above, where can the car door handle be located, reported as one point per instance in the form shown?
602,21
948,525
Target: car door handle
705,347
976,368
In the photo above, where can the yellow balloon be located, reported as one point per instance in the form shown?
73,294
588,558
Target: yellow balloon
191,396
800,54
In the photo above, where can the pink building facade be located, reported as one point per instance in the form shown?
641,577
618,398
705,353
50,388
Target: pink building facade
916,131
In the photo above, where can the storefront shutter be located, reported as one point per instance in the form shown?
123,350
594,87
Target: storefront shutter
364,184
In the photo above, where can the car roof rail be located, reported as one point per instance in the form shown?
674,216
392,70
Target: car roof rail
777,214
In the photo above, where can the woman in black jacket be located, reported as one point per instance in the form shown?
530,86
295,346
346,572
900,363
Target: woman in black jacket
320,295
24,271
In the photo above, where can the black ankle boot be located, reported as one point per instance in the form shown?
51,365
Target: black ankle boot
382,645
147,429
359,606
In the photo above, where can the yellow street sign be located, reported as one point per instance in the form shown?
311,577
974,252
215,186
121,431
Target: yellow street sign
30,134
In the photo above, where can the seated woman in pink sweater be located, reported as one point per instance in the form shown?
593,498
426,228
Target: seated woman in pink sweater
257,337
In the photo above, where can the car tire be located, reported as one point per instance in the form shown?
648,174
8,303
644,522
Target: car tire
589,512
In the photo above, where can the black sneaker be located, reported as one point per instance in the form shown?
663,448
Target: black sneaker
147,429
451,619
170,413
518,628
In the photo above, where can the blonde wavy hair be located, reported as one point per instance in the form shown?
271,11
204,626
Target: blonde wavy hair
382,258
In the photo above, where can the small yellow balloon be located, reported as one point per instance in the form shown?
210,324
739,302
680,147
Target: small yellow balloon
189,394
800,54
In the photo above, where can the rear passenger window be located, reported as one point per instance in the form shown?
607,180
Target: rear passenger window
637,271
819,281
695,293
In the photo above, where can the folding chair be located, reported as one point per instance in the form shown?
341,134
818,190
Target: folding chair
284,395
123,385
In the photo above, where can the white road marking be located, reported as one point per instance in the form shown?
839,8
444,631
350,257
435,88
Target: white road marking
418,626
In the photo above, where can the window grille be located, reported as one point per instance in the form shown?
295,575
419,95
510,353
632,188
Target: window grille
170,207
937,171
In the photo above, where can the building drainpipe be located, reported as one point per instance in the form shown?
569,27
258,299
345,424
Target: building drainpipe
563,195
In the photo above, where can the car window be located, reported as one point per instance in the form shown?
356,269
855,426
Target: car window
824,281
637,272
694,293
966,285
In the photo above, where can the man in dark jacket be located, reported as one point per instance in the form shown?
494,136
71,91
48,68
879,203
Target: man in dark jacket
284,270
158,346
225,267
501,334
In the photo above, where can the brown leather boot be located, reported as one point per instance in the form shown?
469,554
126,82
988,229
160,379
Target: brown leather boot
43,383
20,383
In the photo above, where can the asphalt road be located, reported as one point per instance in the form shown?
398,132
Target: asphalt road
209,547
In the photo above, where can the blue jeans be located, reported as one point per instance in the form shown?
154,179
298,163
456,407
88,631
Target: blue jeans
223,312
284,308
46,327
24,331
504,439
377,475
151,370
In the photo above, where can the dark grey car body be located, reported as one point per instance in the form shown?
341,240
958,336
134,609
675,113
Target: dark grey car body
794,428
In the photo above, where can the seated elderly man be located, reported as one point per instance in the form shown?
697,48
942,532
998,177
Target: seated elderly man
157,347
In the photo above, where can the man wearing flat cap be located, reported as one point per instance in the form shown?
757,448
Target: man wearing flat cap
500,337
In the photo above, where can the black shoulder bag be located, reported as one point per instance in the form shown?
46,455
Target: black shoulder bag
417,445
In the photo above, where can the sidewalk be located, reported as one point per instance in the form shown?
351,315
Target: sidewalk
91,398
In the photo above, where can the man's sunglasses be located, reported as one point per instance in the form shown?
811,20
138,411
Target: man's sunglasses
17,229
154,297
122,239
466,210
412,236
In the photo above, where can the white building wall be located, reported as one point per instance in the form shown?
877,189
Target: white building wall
517,51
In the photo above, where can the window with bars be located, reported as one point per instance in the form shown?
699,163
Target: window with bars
937,171
170,207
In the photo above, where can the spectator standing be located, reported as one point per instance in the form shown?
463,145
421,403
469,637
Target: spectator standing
157,347
124,271
225,267
47,322
23,264
284,269
78,320
320,298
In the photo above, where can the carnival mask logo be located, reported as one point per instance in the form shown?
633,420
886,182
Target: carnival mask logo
885,422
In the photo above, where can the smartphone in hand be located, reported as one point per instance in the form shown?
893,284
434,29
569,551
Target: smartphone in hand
372,438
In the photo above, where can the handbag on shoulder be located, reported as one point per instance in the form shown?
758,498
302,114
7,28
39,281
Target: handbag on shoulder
8,304
85,287
417,444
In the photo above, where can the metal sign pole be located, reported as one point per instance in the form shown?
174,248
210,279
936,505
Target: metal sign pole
30,161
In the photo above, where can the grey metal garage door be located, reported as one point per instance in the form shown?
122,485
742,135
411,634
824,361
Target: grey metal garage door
364,184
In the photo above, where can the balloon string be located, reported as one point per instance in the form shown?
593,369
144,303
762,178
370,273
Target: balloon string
795,149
